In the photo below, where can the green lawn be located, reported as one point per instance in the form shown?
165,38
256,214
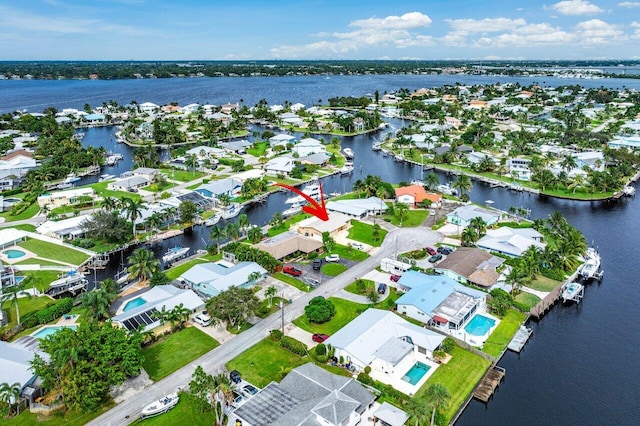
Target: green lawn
175,351
292,281
363,232
259,150
54,251
29,212
345,312
25,227
187,412
414,218
25,305
41,279
67,418
528,299
265,362
272,232
101,189
38,261
182,175
353,288
176,271
542,283
502,335
333,269
460,375
349,253
156,187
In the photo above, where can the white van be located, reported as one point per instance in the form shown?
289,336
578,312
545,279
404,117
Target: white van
202,319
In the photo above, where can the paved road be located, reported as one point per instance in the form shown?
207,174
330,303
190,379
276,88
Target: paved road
215,360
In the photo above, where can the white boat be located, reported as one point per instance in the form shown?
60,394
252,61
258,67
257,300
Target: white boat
294,209
446,189
589,269
312,189
175,252
629,191
71,177
64,186
296,199
348,152
71,282
232,211
347,168
212,220
572,291
161,406
106,177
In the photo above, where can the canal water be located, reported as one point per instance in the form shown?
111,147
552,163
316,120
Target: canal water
582,364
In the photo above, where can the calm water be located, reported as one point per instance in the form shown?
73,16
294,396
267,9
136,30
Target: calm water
582,364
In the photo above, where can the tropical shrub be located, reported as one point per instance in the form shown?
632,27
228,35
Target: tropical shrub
319,310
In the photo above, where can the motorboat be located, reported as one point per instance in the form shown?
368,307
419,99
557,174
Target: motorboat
70,282
589,269
175,252
629,191
348,152
572,291
232,211
71,177
347,168
161,406
294,209
212,220
106,177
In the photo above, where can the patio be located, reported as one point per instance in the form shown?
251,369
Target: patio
395,376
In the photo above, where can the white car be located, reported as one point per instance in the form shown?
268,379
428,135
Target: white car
202,319
358,246
332,258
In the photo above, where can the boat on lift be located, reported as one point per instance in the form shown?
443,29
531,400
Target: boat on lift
590,268
294,209
347,168
629,191
70,282
348,152
572,292
212,220
174,253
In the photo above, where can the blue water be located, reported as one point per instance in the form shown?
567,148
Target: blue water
48,331
479,325
13,254
134,303
416,373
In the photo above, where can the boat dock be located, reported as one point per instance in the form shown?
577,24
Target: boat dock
520,339
489,383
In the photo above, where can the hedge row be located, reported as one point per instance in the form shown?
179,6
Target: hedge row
48,314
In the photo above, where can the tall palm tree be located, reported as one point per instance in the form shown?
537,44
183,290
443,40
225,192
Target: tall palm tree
10,395
478,225
517,278
109,203
142,264
270,292
463,184
468,237
221,397
232,230
133,208
182,313
401,210
192,163
254,234
418,409
98,301
431,181
12,293
217,234
532,260
243,222
439,396
161,315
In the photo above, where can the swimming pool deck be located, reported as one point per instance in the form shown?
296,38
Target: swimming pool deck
394,378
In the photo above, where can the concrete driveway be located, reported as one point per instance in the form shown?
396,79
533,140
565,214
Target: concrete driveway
283,289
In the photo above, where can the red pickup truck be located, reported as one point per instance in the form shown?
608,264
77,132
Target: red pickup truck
292,271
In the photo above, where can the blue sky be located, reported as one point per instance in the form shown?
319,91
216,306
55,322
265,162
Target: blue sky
318,29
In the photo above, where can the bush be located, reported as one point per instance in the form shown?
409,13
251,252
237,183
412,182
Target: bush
276,335
554,274
55,311
312,255
319,310
321,349
367,369
366,379
293,345
86,243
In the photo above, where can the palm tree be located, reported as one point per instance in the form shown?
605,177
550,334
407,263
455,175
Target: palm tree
463,184
224,199
270,292
232,230
217,234
545,178
469,237
439,396
12,293
142,264
98,301
517,277
192,163
478,225
154,221
532,260
221,397
568,163
132,209
401,210
557,222
182,313
431,181
254,234
10,395
161,315
243,222
576,182
109,203
418,409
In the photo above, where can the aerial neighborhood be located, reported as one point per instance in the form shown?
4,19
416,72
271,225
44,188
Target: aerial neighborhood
396,310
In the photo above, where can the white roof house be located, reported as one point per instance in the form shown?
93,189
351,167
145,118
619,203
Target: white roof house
279,165
15,361
211,279
358,207
464,214
203,151
281,139
148,107
62,228
308,146
63,198
128,183
511,241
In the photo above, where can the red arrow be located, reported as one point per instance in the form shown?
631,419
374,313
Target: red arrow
320,211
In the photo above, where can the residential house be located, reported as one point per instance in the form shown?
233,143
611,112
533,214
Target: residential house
156,299
630,142
216,188
412,195
318,159
389,345
131,183
308,146
438,300
228,108
463,215
288,243
310,396
358,208
204,152
201,202
314,227
511,241
146,172
148,107
190,109
282,139
65,198
591,159
236,147
478,157
94,119
290,118
519,168
279,165
170,109
211,279
13,167
297,107
15,366
471,266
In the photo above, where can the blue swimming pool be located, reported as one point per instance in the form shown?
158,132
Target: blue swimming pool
48,331
416,373
134,303
13,254
479,325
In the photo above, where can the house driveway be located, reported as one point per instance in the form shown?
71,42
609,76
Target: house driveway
218,332
297,333
284,290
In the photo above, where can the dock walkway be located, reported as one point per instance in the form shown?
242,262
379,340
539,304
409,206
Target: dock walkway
520,339
489,383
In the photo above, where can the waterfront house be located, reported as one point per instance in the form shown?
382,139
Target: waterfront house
216,188
389,344
148,108
438,300
591,159
15,366
463,215
279,165
146,172
630,142
201,202
412,195
65,198
282,139
203,152
471,266
65,229
236,147
129,184
290,118
308,146
94,119
209,279
358,208
510,241
314,227
519,168
141,311
289,243
318,159
309,395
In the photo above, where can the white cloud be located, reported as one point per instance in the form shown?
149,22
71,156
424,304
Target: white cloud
636,29
488,25
406,21
576,7
527,36
598,33
629,4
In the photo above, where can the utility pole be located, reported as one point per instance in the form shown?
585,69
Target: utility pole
282,312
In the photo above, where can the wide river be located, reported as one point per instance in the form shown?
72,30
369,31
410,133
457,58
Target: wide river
582,364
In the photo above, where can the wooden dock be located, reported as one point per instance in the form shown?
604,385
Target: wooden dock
547,303
489,383
520,339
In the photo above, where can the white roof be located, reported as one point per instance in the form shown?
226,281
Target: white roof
391,414
10,235
512,241
336,220
15,364
51,227
280,164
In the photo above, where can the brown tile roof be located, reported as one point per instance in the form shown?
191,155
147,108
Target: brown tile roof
477,266
22,152
288,243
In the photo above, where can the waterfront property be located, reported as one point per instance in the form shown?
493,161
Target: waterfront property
210,279
511,241
412,195
128,184
15,366
280,165
289,243
358,208
65,229
65,198
471,266
229,187
399,353
314,227
463,215
308,395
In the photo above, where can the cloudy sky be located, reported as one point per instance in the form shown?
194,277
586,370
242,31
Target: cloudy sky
318,29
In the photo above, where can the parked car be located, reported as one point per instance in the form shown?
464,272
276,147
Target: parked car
249,390
319,338
237,399
431,250
394,278
445,250
317,264
358,246
436,257
291,270
382,288
202,319
332,258
234,376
